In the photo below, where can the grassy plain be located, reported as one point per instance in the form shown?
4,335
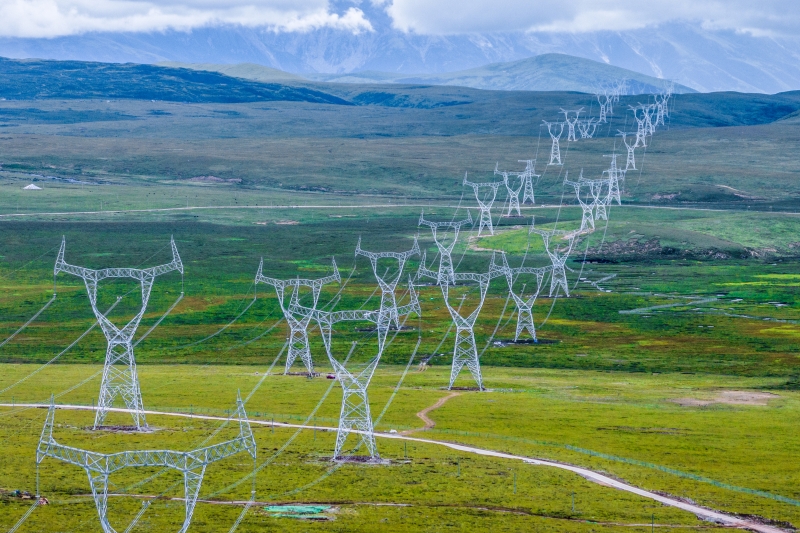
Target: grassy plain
636,382
568,416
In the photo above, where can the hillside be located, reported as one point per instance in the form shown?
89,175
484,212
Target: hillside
247,71
546,72
37,79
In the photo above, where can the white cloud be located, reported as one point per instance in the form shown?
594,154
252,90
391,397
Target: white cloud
54,18
765,17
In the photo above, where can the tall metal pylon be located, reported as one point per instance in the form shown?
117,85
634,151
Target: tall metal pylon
587,128
465,351
603,99
513,193
558,256
119,372
528,174
295,315
524,304
355,412
555,150
641,129
601,200
571,123
484,203
587,219
630,162
615,175
192,464
445,272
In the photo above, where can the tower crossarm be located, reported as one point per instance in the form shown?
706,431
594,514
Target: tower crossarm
456,225
113,462
96,275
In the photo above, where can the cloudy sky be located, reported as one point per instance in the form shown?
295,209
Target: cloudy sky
53,18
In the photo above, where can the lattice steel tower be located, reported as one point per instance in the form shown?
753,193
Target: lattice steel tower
465,351
587,219
630,162
445,273
524,305
528,175
558,256
192,464
513,193
355,412
555,150
571,123
484,203
119,372
295,315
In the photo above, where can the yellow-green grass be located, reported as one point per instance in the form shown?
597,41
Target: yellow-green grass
638,427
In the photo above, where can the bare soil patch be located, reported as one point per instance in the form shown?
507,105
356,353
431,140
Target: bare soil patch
729,397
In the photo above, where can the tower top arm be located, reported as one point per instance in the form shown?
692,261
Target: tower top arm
298,282
451,224
135,273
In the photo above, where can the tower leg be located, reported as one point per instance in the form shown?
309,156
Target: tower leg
465,353
298,347
192,479
355,415
525,321
98,481
120,378
559,279
486,222
528,191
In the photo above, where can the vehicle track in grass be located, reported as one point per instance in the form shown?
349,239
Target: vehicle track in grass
423,415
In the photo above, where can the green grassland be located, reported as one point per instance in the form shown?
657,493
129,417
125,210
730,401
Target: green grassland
717,454
634,380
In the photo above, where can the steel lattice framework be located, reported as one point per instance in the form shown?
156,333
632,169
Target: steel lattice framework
513,193
587,128
355,413
571,123
119,373
641,126
484,203
630,162
588,208
524,305
296,316
192,464
558,256
445,273
615,175
465,352
601,201
555,150
528,175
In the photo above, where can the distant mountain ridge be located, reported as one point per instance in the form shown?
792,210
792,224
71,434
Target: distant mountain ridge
546,72
700,58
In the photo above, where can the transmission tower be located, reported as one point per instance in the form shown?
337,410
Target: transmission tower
641,128
484,203
602,99
587,218
513,193
630,163
571,123
355,413
615,175
527,175
600,201
445,273
465,352
555,151
587,128
296,316
192,464
119,372
524,305
558,256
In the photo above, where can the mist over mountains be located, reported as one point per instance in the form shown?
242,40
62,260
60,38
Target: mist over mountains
687,53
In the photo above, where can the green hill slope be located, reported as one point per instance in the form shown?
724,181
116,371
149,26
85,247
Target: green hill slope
37,79
247,71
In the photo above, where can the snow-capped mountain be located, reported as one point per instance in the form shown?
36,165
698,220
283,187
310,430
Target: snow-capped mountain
705,60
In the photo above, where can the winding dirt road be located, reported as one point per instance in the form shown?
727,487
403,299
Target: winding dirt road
701,512
423,415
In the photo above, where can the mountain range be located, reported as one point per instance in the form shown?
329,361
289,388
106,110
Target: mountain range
687,53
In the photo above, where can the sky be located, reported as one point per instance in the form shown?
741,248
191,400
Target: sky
56,18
